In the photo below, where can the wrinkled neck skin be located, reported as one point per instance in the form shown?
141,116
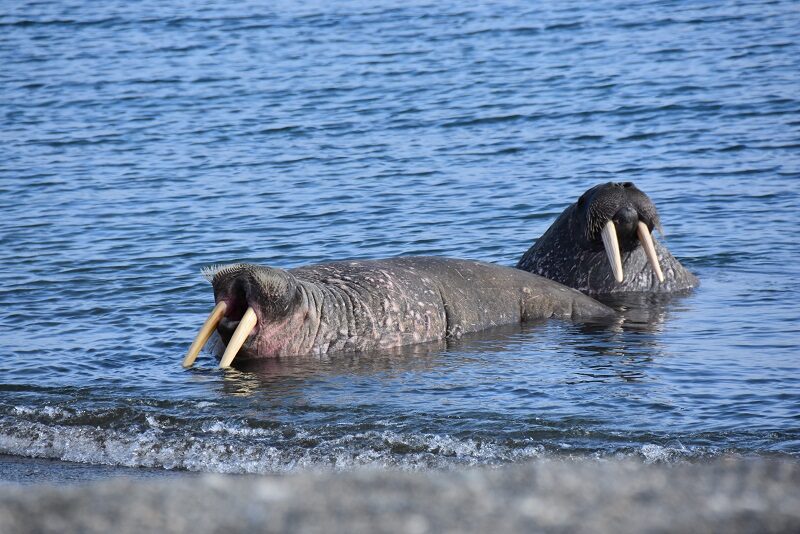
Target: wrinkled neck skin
323,321
561,254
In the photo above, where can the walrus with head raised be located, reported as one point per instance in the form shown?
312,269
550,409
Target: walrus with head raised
263,312
603,244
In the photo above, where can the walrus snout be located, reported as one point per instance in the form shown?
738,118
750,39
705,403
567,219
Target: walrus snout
619,217
270,292
236,305
235,298
246,296
233,316
634,217
626,221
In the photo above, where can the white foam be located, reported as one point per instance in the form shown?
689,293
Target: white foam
234,429
653,453
232,447
51,412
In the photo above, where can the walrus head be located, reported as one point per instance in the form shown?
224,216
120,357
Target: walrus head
253,302
603,244
618,218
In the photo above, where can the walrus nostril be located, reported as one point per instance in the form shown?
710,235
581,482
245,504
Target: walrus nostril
627,185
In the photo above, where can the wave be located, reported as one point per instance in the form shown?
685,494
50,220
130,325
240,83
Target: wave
237,446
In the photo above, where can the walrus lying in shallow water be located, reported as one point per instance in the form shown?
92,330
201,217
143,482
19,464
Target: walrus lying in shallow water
366,305
602,244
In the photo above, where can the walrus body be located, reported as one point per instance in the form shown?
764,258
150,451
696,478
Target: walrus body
574,251
367,305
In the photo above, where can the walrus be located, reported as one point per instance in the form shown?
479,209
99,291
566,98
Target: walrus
602,244
364,305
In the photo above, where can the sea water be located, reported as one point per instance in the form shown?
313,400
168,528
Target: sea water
142,141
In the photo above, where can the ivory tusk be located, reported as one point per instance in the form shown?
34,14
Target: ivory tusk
246,325
205,332
647,243
609,235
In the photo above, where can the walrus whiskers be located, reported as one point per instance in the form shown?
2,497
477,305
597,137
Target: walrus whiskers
212,271
649,249
205,332
611,244
246,326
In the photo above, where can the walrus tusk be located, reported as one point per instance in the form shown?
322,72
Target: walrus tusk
609,235
649,249
205,332
246,325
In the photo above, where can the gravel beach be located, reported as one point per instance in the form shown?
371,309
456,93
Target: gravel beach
725,495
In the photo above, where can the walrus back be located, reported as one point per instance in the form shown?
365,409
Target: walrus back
471,295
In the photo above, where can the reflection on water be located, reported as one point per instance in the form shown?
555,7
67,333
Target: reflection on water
601,338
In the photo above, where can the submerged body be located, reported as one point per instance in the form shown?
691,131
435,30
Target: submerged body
602,244
373,304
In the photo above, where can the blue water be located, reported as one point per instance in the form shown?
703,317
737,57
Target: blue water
143,141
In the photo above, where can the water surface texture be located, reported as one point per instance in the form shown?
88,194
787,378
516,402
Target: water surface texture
143,141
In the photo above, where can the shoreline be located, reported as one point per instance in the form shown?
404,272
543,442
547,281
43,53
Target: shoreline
25,471
725,494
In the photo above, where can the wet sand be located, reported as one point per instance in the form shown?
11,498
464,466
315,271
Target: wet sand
723,495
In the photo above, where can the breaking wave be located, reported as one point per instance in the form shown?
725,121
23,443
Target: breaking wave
120,437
